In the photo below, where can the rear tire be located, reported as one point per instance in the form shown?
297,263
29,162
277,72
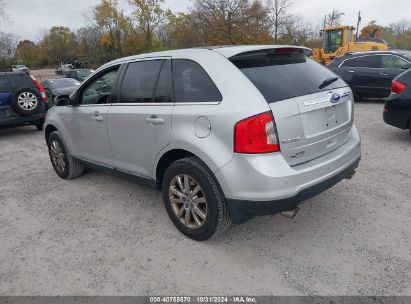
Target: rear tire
63,163
194,201
26,101
40,126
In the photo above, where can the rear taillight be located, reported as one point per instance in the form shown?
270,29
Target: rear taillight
256,135
397,87
40,88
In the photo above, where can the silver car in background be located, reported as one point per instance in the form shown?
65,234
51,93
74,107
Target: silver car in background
226,133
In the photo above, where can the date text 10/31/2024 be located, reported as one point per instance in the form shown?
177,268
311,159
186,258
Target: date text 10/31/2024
203,299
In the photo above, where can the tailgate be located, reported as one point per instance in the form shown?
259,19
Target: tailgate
313,125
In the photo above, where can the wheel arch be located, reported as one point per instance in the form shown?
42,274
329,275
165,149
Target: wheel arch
168,157
48,130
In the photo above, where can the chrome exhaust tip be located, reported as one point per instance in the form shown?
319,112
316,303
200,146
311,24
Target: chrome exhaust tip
351,175
290,214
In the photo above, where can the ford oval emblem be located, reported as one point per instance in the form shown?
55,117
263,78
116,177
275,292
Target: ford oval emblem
335,98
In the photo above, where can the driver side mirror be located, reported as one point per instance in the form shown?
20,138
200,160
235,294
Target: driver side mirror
71,100
63,101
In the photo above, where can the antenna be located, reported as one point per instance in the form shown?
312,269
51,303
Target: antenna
358,25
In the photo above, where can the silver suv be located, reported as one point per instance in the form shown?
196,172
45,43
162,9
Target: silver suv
226,133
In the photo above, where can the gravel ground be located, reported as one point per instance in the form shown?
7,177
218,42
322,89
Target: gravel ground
102,235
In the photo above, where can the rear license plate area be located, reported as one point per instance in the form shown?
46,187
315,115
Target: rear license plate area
322,120
331,118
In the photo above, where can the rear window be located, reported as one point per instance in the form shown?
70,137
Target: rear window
12,82
284,73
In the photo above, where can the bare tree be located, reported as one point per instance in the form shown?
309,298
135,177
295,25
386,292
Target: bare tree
3,13
8,45
221,20
150,15
333,18
400,28
297,31
278,11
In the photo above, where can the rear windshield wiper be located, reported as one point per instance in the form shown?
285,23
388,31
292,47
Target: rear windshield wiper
327,82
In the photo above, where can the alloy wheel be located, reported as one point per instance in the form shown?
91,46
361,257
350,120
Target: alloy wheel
27,101
188,201
57,156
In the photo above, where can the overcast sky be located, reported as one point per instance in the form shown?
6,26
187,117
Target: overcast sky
30,17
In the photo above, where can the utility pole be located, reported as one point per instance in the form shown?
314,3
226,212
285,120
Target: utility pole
358,25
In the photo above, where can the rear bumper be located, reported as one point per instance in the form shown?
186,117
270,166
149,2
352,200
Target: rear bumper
16,121
266,184
241,210
398,117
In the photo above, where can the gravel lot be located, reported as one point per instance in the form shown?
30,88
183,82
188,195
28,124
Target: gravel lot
102,235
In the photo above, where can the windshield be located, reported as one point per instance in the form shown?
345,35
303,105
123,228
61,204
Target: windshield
282,75
332,40
63,83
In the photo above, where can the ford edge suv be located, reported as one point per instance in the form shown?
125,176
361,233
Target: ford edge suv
226,133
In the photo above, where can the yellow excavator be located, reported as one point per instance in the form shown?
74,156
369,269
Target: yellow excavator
338,40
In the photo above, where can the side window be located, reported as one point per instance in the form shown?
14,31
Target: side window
349,63
5,85
368,62
100,88
192,83
393,62
164,88
349,36
139,81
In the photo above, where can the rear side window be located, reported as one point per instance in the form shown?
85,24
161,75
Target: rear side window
283,73
192,83
139,81
393,62
363,62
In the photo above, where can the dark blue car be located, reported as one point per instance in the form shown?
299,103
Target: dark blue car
22,101
397,110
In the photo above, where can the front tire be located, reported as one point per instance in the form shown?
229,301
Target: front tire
63,163
193,200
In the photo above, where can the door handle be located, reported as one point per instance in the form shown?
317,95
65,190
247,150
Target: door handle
153,119
351,71
383,74
97,116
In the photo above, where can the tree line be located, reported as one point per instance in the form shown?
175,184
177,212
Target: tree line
148,26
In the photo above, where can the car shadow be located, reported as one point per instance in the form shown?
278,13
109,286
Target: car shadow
393,135
25,130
